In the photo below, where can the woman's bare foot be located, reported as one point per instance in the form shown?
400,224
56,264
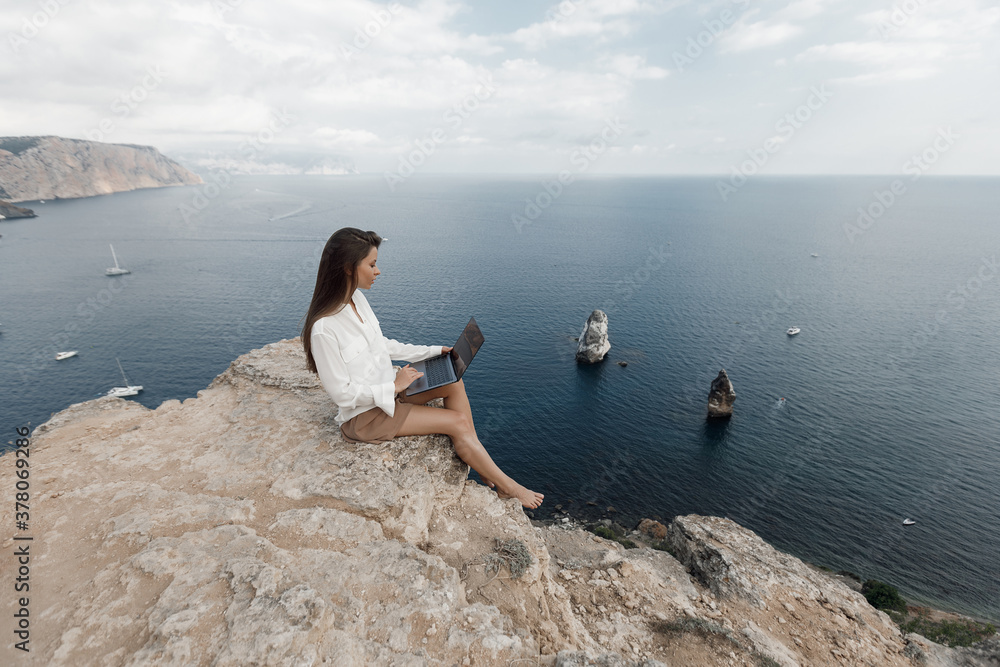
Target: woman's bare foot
527,497
500,494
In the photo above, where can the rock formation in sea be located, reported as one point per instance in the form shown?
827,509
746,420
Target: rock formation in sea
594,343
238,528
48,167
721,397
8,210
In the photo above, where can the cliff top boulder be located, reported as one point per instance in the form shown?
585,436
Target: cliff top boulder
48,167
593,343
238,528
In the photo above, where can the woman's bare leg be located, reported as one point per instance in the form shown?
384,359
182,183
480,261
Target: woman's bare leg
425,420
455,398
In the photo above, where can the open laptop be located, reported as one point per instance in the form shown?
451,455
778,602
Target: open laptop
447,368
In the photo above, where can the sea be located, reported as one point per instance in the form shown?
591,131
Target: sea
883,408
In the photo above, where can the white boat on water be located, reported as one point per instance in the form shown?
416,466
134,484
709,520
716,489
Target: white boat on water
128,390
815,255
793,331
908,522
116,270
65,355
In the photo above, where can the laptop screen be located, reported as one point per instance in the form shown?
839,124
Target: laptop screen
465,349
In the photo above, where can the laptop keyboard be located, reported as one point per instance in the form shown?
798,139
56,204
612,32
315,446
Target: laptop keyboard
437,371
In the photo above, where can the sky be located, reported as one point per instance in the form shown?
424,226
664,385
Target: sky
511,86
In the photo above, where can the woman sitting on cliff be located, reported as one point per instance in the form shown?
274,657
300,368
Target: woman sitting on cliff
346,348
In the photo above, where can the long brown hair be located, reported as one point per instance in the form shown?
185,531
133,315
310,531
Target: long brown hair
337,278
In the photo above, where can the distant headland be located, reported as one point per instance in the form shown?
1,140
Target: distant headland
8,210
47,167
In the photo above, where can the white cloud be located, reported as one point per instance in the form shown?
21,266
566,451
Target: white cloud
781,26
912,41
631,67
367,81
802,9
956,21
888,76
884,61
546,90
744,37
537,36
877,53
331,137
601,19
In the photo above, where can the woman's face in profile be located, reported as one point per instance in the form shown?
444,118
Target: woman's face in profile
367,270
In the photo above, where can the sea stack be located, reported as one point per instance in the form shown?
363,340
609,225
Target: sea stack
721,397
594,339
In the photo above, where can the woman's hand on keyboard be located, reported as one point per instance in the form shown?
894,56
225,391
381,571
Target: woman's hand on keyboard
405,377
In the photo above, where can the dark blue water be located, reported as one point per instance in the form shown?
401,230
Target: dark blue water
891,388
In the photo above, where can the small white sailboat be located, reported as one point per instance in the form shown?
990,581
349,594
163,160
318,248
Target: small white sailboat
908,522
793,331
65,355
116,270
128,390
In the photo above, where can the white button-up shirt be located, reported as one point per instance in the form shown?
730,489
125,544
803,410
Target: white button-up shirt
354,359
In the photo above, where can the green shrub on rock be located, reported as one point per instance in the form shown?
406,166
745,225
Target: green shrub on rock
608,534
605,532
883,596
950,633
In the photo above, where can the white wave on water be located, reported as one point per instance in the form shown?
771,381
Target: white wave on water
302,209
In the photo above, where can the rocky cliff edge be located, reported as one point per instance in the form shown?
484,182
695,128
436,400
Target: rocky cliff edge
238,528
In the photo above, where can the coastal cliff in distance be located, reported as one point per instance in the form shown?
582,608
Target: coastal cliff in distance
8,210
34,168
239,528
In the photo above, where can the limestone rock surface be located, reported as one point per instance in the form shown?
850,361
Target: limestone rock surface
238,528
594,343
48,167
721,397
782,599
